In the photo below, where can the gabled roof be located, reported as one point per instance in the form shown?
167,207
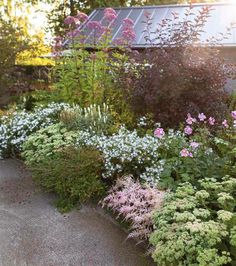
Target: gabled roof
223,15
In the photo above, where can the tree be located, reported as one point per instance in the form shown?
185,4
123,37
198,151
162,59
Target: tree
11,43
17,44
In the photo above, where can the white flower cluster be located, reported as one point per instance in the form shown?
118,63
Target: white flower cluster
142,121
15,128
127,153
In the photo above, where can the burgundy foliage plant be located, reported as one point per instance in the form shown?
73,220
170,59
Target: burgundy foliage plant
175,73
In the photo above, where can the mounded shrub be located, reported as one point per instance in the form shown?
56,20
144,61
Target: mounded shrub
197,226
74,174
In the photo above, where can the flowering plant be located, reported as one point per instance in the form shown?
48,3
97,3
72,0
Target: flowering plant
46,142
87,76
18,126
206,149
126,153
135,203
196,226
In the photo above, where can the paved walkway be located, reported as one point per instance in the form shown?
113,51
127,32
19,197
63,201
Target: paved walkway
34,233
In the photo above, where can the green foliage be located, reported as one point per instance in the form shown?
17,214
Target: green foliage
94,118
213,158
73,174
11,44
46,142
86,78
196,226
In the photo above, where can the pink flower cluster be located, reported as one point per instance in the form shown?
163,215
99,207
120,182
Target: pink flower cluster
76,20
194,145
185,153
110,14
190,120
73,33
159,133
211,121
233,114
95,25
81,16
202,118
135,203
128,32
188,130
70,20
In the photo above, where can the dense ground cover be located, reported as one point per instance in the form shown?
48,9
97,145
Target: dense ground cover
180,189
174,182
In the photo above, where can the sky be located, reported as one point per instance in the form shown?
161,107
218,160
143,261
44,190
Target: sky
38,19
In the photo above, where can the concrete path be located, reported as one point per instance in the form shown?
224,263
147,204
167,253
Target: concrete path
34,233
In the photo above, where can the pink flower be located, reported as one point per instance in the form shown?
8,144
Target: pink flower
185,153
109,10
74,33
110,14
159,132
201,117
94,25
128,22
188,130
81,16
211,121
126,209
233,114
225,124
58,42
190,120
194,145
129,34
71,20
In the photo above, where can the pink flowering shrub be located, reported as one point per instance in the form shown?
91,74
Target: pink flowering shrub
204,148
134,202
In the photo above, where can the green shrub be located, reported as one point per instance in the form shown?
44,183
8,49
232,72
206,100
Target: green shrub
73,174
46,142
196,226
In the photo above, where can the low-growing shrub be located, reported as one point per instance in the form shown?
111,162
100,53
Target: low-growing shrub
127,153
46,142
75,175
134,203
166,159
196,225
16,127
